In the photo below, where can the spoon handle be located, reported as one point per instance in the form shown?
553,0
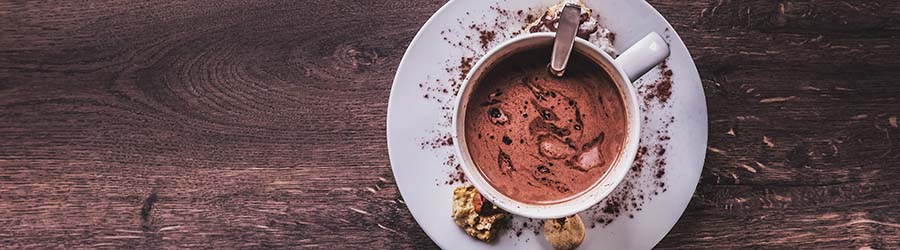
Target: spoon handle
565,38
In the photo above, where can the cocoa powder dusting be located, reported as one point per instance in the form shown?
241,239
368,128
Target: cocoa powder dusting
486,38
664,84
661,89
438,142
465,65
523,226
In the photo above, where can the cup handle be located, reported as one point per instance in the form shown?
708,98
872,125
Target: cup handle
643,55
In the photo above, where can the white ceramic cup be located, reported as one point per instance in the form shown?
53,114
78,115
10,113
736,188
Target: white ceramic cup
630,65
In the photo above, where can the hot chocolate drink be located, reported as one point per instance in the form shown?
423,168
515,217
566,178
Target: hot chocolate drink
542,139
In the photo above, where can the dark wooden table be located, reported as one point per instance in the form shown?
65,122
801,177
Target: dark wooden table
242,124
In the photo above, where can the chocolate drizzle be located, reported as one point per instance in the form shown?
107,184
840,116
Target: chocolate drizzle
541,126
504,163
543,175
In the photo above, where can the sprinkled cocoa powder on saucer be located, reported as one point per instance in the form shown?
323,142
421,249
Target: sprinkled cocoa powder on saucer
465,65
660,89
437,142
486,38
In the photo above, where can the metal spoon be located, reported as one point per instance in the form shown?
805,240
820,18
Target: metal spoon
565,38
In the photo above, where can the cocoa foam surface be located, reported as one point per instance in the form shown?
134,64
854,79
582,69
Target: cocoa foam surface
538,138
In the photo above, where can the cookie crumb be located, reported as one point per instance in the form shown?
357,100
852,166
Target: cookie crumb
477,216
564,233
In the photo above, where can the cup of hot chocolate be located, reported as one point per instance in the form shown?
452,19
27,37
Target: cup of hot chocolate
543,146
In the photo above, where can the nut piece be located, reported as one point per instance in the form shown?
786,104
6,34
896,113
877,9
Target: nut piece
477,202
564,233
478,217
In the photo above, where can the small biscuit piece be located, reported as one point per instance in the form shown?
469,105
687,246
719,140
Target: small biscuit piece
478,217
564,233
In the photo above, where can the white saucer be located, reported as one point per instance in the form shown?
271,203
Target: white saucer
416,124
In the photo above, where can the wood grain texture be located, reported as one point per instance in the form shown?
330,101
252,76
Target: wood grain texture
259,124
804,149
210,124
